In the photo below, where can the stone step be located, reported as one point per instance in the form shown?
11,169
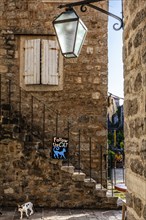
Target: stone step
6,121
99,186
16,132
90,183
16,128
68,169
110,203
78,176
90,180
8,127
100,191
6,135
87,185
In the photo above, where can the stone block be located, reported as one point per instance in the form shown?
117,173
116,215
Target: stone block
9,191
78,176
140,16
137,166
129,199
144,212
90,183
131,107
68,169
138,206
95,95
112,200
138,39
100,192
89,50
56,161
3,69
3,52
143,150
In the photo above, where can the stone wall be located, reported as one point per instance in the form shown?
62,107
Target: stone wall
135,107
30,175
83,99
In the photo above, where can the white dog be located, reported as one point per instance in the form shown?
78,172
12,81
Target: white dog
26,207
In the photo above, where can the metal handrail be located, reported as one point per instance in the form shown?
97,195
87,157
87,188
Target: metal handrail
77,141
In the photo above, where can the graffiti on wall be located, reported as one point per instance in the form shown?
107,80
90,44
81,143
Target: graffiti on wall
59,148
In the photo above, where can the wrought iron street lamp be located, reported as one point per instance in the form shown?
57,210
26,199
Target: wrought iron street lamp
71,30
71,33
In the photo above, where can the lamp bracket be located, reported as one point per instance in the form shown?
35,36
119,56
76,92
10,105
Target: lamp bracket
88,3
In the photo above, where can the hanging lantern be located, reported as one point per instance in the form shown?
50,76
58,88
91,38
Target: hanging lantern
71,32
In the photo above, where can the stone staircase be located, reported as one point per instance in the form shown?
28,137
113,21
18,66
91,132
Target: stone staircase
31,174
15,126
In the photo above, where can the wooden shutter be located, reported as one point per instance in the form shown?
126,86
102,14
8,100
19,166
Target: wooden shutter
50,62
32,61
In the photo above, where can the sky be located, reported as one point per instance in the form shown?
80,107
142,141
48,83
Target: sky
115,66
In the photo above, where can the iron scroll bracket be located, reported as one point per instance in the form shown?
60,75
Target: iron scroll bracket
88,3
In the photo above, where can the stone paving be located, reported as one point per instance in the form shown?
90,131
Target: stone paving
64,214
67,214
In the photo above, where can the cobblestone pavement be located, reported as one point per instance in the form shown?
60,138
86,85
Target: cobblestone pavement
64,214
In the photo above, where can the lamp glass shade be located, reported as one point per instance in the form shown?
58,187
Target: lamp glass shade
81,34
70,32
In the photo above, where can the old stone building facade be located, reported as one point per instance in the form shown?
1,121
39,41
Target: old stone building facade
72,105
135,107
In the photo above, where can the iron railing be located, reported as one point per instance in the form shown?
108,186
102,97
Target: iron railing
25,107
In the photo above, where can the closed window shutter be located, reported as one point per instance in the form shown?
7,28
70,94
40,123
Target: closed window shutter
32,61
50,63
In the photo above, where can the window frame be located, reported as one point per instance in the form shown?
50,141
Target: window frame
39,87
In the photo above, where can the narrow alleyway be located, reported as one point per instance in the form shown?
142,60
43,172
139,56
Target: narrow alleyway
64,214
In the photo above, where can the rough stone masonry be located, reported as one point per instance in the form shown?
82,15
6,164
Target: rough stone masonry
135,107
80,98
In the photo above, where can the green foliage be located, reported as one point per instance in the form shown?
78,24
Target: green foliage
119,138
111,154
121,144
